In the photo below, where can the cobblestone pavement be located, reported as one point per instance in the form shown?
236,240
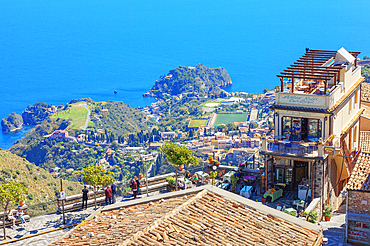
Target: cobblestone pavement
46,223
335,228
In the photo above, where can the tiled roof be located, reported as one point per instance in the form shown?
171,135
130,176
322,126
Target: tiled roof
114,227
212,220
360,177
203,219
365,141
365,92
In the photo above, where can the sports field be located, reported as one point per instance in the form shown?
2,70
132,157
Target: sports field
76,114
230,118
197,123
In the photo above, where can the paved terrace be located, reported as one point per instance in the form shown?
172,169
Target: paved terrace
333,230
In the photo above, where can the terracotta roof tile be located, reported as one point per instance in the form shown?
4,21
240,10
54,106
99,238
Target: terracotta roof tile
212,220
360,177
365,141
114,227
201,219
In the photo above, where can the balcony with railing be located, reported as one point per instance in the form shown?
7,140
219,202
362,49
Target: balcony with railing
292,148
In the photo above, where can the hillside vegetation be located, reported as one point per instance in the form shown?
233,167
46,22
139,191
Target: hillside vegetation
40,184
118,117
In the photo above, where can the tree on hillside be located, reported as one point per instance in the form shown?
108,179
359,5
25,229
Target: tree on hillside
178,155
11,192
96,176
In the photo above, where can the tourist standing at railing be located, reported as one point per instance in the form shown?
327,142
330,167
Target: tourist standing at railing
108,196
134,188
138,184
85,197
114,192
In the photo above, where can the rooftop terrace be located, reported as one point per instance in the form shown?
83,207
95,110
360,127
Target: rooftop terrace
317,72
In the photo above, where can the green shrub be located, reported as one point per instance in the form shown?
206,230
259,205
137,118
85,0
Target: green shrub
44,176
327,211
30,196
18,172
171,181
35,178
312,217
70,188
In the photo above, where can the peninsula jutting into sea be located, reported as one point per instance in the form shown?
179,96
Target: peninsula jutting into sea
266,153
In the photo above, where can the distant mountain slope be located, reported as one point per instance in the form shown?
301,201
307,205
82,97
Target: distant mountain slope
40,183
199,80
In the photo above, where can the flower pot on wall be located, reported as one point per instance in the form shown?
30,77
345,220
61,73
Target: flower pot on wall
263,200
327,218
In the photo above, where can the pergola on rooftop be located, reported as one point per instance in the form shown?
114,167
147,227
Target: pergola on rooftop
317,72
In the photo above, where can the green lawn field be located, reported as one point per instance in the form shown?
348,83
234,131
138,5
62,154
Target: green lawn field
197,123
230,118
76,114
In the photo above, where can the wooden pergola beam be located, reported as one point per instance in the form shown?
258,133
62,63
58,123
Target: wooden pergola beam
323,60
310,71
318,64
332,51
302,77
309,66
311,75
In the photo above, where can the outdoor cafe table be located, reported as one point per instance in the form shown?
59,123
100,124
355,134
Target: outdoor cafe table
202,174
227,176
246,191
185,181
223,186
249,178
277,194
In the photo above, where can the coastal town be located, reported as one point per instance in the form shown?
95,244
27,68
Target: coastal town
289,166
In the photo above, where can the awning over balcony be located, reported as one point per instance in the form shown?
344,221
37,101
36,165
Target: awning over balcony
298,108
339,161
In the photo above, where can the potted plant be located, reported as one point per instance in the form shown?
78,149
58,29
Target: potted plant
171,183
213,175
303,213
327,212
234,181
312,217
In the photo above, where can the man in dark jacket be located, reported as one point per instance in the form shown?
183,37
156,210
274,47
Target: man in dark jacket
114,193
85,197
108,196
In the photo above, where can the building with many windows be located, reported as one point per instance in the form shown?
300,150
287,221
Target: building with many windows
316,116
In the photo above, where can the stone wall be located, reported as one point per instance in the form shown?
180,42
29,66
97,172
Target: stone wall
359,202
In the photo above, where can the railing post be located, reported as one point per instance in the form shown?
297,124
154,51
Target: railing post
320,148
264,142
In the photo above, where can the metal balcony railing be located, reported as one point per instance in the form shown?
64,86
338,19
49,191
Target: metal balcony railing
293,148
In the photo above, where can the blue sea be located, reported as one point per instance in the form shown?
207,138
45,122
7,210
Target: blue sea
54,51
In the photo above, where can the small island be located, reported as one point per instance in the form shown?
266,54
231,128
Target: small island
12,123
199,80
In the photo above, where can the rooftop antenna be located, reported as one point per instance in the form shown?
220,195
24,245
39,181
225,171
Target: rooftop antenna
307,49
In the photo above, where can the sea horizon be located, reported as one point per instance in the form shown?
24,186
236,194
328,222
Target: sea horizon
57,51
